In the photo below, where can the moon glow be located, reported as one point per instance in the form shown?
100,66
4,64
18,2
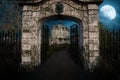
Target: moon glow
108,12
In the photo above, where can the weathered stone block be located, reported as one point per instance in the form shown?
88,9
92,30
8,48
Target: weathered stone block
27,18
26,35
93,34
92,6
26,58
94,53
26,46
92,60
93,29
25,8
93,47
26,52
35,8
26,41
27,13
93,18
93,12
35,14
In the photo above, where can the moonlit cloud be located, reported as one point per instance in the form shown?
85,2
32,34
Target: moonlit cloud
111,24
108,11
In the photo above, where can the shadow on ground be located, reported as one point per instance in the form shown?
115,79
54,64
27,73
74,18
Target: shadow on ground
58,67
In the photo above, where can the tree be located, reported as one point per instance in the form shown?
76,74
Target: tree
10,15
10,35
109,52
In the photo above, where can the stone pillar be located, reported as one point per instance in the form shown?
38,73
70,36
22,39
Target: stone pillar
93,36
85,35
30,37
26,37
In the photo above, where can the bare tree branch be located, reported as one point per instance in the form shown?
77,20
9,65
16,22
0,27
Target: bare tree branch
10,15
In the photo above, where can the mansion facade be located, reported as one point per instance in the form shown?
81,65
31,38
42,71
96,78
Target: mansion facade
59,35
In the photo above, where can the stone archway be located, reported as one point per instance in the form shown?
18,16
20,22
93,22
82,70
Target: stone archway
59,18
33,13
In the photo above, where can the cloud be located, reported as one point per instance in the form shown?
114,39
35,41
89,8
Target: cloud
110,24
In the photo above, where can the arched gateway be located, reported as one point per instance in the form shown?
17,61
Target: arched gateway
35,12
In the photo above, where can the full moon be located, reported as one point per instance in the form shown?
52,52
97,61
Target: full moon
108,11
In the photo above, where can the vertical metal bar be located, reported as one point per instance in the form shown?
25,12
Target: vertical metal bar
0,42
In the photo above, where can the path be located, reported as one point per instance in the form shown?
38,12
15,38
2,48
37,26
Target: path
61,67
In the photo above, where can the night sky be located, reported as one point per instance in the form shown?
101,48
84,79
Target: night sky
65,23
110,24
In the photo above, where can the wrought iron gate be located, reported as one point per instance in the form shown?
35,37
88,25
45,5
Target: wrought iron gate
10,50
74,42
45,43
109,53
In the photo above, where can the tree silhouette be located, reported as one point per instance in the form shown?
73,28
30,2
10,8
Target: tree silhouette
10,35
10,15
109,53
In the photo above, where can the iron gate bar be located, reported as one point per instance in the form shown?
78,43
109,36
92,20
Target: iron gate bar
45,43
74,42
110,53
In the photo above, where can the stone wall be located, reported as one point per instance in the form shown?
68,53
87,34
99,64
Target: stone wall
30,36
33,16
93,34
